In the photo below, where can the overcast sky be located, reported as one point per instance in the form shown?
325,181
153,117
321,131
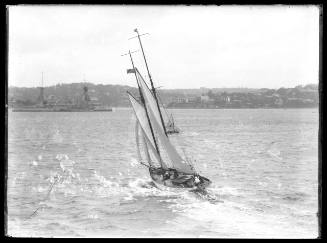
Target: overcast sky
187,46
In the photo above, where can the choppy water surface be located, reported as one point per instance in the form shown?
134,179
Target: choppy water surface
263,164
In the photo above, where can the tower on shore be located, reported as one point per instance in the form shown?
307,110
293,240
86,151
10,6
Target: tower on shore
86,96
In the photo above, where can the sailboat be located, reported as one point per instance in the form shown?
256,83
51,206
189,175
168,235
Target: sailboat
171,127
154,149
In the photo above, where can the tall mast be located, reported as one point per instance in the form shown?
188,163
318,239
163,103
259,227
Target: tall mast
152,86
146,111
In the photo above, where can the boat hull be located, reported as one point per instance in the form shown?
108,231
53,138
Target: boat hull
172,132
181,180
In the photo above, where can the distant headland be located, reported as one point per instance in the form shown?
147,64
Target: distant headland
115,96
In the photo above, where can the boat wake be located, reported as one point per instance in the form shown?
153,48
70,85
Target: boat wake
67,183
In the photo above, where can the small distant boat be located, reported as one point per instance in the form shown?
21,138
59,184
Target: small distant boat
171,128
154,149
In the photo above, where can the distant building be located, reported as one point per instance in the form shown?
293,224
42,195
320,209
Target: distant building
226,99
278,101
294,102
308,101
204,98
51,100
192,99
238,102
180,100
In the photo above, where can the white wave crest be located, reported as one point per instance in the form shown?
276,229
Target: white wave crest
134,162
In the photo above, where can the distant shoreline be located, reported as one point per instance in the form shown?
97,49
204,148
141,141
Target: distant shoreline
115,96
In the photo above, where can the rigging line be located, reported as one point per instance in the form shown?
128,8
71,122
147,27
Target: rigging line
145,164
187,158
181,141
189,161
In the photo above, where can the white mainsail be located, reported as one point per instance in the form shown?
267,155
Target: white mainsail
149,98
140,114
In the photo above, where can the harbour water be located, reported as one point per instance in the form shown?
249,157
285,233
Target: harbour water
263,164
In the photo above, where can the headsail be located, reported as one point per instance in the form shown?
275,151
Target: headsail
137,138
141,118
138,132
147,154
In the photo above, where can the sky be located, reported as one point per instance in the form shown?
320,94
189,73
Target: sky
187,46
